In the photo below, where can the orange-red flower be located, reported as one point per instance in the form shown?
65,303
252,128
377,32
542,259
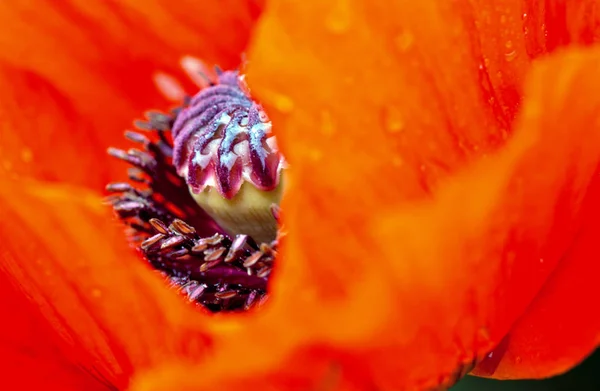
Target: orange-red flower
442,196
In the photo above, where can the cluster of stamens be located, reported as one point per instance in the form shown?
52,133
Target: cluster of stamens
221,271
216,271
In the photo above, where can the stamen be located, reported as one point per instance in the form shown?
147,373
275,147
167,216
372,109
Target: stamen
213,262
169,86
200,74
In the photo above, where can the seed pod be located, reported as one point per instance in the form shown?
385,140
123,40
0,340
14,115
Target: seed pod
224,149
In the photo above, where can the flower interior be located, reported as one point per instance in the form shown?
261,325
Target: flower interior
202,199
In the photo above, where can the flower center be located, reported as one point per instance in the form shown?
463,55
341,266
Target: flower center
224,149
203,194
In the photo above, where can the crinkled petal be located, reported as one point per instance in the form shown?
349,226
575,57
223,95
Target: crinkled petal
440,280
561,326
99,59
102,308
448,278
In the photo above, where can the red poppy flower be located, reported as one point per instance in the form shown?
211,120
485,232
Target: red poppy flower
441,200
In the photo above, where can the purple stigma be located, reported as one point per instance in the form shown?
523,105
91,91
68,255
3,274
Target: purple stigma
224,138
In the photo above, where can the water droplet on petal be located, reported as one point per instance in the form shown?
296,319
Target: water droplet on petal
26,155
510,55
315,154
338,20
393,120
397,161
404,41
281,102
284,103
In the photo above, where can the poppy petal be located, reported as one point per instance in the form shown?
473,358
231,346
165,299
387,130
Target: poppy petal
560,327
100,59
307,371
106,311
43,136
29,360
446,280
509,34
441,280
384,74
551,25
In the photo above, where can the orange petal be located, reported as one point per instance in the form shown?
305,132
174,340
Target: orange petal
446,280
383,74
307,371
43,136
497,40
29,358
560,327
508,34
549,25
436,283
99,61
104,310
